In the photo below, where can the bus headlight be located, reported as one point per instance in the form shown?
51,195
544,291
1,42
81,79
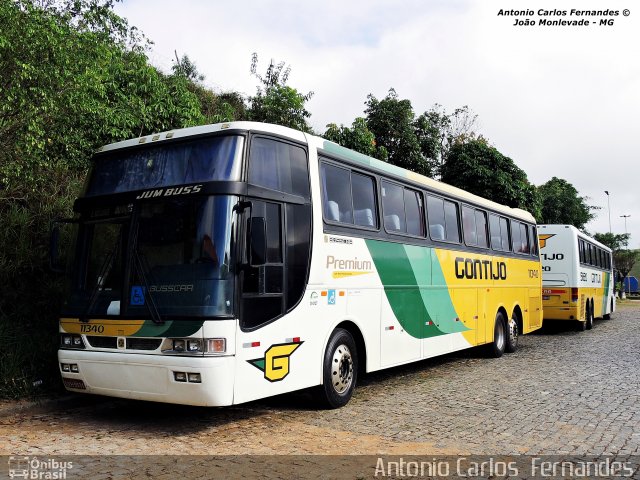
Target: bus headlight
194,345
68,340
178,345
214,346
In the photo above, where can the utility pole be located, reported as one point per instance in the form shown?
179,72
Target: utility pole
627,277
609,208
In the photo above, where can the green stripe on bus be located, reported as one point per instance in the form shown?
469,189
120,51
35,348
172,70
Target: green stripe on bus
408,274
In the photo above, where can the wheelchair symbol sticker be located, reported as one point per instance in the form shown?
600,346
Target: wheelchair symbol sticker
137,295
331,297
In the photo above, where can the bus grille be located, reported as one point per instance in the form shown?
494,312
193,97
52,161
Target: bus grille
74,383
143,343
102,342
132,343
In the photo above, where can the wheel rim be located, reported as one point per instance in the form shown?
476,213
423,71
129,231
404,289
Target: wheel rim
513,331
341,369
500,336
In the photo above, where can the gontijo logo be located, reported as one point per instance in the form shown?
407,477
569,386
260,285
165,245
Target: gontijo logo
275,363
543,239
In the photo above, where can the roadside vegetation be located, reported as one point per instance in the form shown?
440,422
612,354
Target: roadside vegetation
75,76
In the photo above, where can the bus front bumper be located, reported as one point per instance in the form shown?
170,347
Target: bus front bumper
150,377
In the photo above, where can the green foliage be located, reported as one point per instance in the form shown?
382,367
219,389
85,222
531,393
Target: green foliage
479,168
614,241
275,101
561,204
357,137
438,131
73,76
624,260
391,121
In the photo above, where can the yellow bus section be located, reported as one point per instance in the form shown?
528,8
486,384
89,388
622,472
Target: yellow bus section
111,328
480,284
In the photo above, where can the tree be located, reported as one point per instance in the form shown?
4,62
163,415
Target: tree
275,101
357,137
391,121
479,168
185,67
561,204
438,131
73,76
615,241
623,258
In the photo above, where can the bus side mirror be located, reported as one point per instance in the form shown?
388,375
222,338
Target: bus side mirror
257,242
57,264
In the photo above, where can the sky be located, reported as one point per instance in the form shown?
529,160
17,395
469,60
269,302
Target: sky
560,101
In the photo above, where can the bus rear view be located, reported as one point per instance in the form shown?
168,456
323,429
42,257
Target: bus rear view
577,276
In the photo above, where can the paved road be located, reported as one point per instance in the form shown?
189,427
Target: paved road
563,392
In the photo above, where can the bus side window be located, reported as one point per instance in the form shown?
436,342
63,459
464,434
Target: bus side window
435,214
534,240
469,226
494,225
515,236
393,207
279,166
414,209
336,192
504,233
364,200
481,228
524,236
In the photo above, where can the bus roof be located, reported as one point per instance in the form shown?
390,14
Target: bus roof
557,228
328,147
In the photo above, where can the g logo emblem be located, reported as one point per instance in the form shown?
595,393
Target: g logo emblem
275,363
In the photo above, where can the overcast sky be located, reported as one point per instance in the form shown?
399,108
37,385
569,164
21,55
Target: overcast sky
560,101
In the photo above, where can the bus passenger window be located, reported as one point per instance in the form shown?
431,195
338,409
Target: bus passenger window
524,237
515,236
504,233
481,228
393,206
336,190
452,229
496,239
435,214
469,226
415,212
364,200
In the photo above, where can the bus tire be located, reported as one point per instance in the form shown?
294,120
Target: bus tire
496,348
607,316
511,344
589,320
339,370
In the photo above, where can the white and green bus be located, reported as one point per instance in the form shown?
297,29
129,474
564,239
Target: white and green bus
225,263
577,276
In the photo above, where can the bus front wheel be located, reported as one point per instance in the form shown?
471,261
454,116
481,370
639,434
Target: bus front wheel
496,348
339,371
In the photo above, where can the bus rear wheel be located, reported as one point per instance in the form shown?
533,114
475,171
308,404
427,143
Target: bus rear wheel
339,370
607,316
496,348
512,336
589,321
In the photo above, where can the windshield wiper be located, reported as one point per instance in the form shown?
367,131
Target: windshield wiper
139,267
103,274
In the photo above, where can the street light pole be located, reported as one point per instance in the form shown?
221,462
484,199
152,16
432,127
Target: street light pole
609,208
625,232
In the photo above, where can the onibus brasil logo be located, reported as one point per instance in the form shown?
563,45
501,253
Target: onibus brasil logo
275,363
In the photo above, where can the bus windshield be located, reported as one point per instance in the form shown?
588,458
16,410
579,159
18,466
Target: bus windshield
173,257
201,160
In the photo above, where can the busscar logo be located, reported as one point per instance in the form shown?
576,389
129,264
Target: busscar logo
543,239
275,364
